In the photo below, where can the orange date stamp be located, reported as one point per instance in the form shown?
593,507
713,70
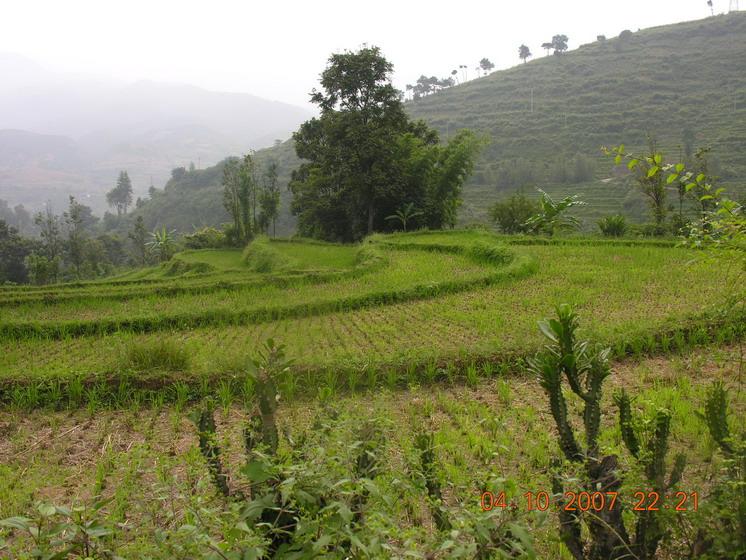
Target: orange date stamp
592,501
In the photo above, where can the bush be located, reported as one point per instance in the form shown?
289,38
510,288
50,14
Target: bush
205,238
511,214
613,226
159,354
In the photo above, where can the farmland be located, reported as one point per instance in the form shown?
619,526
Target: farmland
412,334
368,314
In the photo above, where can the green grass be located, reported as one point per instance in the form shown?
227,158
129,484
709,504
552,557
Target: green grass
221,259
421,306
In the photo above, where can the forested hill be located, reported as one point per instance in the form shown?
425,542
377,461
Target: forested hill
679,83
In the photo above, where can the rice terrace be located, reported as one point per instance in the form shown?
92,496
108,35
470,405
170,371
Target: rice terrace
419,363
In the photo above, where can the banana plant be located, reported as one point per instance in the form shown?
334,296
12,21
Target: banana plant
551,217
405,214
162,243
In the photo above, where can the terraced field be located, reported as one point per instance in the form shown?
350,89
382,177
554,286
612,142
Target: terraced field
398,301
405,397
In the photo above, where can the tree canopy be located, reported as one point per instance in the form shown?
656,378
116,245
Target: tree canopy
120,197
365,159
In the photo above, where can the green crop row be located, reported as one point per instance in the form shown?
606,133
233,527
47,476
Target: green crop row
131,384
221,317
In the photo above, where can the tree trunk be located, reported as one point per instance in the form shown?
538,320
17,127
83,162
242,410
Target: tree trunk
371,212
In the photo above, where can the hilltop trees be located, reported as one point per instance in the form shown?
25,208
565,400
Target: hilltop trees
425,86
120,197
559,44
365,159
524,53
486,65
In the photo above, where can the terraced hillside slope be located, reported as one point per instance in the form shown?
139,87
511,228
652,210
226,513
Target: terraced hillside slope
661,81
404,304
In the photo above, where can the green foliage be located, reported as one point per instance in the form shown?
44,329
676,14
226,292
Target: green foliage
366,159
139,238
162,243
585,369
59,532
551,217
240,198
269,199
120,197
649,170
14,249
405,215
261,256
42,269
162,354
511,214
205,238
613,226
721,526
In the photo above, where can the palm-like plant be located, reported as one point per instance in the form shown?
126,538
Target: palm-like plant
162,243
405,214
551,217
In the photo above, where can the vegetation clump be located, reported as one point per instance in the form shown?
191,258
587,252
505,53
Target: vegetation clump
392,164
158,354
261,256
613,226
511,215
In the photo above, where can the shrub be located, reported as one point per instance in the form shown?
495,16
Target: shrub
723,517
159,354
613,226
511,214
205,238
568,361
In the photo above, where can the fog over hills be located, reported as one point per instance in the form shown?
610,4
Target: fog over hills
66,134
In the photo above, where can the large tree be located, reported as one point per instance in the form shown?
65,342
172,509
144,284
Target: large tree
524,53
366,159
269,198
240,198
559,43
13,250
120,197
486,65
76,235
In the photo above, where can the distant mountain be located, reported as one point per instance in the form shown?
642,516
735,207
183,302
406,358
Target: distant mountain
147,128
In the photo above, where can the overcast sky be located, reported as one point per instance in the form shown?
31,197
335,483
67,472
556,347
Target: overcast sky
277,48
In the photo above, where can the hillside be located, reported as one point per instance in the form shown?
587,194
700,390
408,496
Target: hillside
658,81
145,127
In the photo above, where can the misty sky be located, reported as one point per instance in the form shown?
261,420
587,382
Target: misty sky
277,48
